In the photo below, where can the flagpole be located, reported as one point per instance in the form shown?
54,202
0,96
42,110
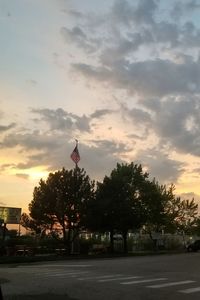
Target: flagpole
75,157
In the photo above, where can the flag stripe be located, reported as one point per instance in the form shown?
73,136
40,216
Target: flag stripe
75,155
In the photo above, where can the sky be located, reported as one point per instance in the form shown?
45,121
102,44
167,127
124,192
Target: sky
122,77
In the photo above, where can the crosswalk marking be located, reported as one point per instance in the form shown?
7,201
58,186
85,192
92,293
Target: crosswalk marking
189,291
170,284
143,281
118,278
51,271
100,277
65,274
60,265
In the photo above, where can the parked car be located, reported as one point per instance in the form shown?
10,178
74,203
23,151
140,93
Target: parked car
194,247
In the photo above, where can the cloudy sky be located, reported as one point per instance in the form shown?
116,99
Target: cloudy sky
121,76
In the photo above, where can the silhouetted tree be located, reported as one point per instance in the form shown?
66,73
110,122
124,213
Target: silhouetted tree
182,215
61,201
118,206
155,199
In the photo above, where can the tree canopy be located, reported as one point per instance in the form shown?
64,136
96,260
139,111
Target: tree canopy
117,206
61,202
126,200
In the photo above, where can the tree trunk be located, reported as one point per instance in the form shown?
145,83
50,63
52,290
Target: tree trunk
155,244
111,241
65,240
124,234
69,242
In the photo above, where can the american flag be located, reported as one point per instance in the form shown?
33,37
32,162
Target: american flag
75,155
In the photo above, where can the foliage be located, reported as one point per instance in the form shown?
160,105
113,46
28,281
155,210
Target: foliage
117,206
32,224
182,214
61,202
66,202
155,198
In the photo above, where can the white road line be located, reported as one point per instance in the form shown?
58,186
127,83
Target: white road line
190,291
65,274
58,265
119,278
143,281
49,272
100,277
170,284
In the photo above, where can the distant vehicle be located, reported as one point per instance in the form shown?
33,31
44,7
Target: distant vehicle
194,247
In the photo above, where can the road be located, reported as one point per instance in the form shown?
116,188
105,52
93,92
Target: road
163,277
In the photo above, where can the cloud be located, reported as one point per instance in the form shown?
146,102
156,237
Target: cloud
4,167
100,113
51,147
30,141
99,160
177,123
142,13
77,36
137,53
76,14
4,128
156,78
110,146
64,121
22,175
139,116
174,121
61,120
183,7
160,166
141,50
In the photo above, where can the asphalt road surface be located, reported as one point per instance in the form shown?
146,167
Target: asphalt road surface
159,277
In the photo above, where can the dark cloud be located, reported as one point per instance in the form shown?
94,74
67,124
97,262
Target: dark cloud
140,48
110,146
156,78
64,121
61,120
160,165
4,128
177,122
137,115
51,148
138,51
57,119
30,141
100,113
97,160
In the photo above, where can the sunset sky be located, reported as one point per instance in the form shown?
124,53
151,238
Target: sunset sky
122,77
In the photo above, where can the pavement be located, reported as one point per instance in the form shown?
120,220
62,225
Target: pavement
166,277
